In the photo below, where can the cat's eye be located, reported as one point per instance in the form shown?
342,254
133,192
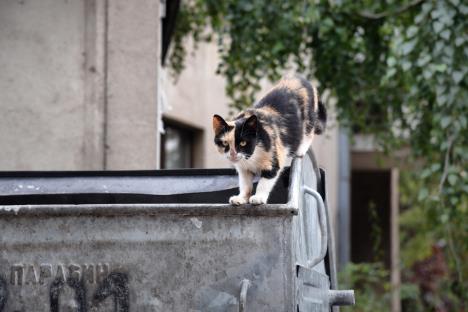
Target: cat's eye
225,143
243,143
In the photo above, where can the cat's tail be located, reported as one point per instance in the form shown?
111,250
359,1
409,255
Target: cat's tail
321,121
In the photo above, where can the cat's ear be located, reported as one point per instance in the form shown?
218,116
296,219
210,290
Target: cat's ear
219,124
250,124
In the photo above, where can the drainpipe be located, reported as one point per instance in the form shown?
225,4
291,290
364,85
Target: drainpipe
344,199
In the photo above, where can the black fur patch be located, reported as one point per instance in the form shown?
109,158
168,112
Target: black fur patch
219,142
286,103
241,115
321,122
312,115
243,133
217,139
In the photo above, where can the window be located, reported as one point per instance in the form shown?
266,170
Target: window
370,216
177,146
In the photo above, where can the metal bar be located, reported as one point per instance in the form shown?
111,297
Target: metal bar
245,284
331,234
322,225
341,297
344,208
395,275
295,182
155,185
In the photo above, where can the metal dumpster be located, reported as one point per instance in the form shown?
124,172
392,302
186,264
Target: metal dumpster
164,241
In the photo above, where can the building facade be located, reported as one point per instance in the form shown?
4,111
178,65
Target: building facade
78,84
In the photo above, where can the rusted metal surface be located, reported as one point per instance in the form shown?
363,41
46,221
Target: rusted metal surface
178,256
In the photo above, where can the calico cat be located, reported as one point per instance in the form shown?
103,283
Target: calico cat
259,139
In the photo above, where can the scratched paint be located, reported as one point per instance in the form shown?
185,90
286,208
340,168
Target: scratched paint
114,285
79,289
22,274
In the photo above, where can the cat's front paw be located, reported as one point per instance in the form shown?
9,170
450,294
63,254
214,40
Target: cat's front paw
258,199
237,200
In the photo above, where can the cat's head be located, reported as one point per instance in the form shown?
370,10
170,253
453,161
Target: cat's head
237,139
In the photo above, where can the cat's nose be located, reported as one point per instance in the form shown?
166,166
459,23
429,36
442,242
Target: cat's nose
233,154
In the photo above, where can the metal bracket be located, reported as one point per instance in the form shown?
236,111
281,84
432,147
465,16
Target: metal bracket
245,284
323,226
314,293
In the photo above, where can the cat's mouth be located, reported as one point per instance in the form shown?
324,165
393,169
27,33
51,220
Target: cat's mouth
235,159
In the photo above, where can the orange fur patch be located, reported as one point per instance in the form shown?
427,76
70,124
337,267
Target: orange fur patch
281,153
291,83
217,125
268,130
264,160
268,110
229,137
315,98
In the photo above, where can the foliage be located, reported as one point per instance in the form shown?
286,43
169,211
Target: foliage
371,283
366,279
375,232
398,71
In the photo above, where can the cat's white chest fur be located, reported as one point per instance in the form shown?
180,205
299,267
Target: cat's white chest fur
251,164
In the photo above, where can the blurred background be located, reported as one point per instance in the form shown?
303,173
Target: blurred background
114,85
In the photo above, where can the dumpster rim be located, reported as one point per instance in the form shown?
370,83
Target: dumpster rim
103,210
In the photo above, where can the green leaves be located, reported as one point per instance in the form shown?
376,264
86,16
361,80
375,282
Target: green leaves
438,26
452,178
445,121
370,282
396,68
407,47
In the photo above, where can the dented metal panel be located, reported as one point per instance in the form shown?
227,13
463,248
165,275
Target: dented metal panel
145,263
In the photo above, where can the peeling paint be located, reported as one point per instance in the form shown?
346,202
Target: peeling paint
198,224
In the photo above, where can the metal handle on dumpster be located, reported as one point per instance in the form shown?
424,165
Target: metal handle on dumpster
243,295
323,226
341,297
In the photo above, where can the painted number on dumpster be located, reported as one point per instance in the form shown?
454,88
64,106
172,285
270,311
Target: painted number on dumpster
76,277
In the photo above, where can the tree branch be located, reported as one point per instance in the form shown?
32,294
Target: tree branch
371,15
448,228
443,177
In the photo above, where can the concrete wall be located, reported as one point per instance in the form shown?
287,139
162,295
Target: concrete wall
327,150
42,116
78,84
132,138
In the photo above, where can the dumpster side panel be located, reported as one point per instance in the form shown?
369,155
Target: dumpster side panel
145,263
